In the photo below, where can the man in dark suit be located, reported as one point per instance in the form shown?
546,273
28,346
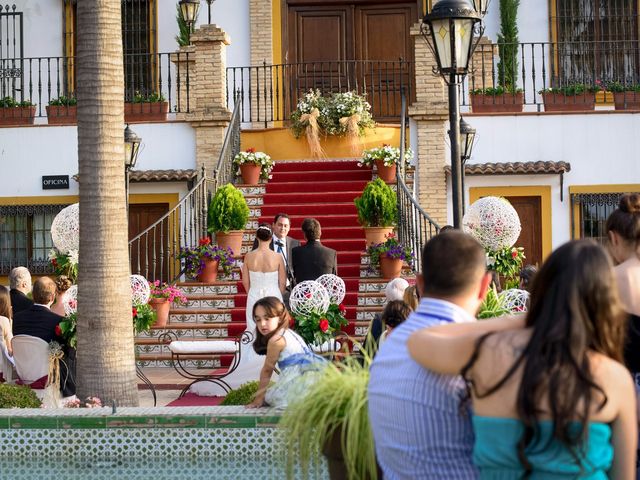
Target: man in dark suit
312,259
282,244
20,284
39,321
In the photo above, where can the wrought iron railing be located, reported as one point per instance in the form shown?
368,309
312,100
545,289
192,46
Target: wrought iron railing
40,80
415,227
541,65
154,252
271,92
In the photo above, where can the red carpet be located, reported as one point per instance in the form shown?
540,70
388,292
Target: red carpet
192,400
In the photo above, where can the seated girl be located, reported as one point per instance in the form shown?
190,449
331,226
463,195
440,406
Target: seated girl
298,365
550,400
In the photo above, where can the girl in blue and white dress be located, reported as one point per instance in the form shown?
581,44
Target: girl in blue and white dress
299,366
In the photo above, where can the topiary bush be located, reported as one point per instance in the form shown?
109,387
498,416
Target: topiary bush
228,210
242,395
377,207
18,396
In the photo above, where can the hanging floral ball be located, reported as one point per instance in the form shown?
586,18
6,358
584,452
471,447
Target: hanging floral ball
140,290
308,297
334,285
65,229
516,300
70,300
493,222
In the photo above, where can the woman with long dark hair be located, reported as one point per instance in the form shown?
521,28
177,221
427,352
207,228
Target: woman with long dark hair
550,400
5,322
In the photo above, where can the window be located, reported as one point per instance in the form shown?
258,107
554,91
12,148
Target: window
25,237
595,40
590,214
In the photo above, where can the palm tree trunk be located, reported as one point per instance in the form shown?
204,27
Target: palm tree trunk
105,361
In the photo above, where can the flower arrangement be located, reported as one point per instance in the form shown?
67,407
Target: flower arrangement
391,248
171,293
143,317
257,158
10,102
302,116
388,154
317,328
617,87
89,402
65,264
67,328
495,91
64,101
194,257
507,262
153,97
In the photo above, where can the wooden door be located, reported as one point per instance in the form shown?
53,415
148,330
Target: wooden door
530,212
146,255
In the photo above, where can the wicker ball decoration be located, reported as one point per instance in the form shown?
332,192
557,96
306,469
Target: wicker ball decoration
493,222
516,300
70,300
308,297
334,285
140,290
65,229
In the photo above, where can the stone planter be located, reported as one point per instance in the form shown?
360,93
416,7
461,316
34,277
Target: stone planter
210,272
146,112
17,115
390,268
162,307
505,103
231,239
250,173
387,174
559,102
375,235
626,100
62,114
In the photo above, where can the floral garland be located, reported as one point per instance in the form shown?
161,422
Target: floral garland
257,158
388,154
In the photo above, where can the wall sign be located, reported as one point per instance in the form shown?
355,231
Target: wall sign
55,182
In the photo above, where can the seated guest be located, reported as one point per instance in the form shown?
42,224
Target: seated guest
393,315
20,284
312,260
551,398
419,428
62,285
39,321
393,291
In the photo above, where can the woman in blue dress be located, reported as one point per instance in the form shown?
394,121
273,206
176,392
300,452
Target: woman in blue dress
551,398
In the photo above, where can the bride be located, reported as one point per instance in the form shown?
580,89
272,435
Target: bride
263,275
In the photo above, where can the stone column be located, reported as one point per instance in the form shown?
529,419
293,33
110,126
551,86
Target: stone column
261,81
431,114
209,115
184,60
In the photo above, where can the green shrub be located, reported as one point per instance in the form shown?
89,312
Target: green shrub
10,102
572,89
63,101
494,91
242,395
17,396
228,210
377,207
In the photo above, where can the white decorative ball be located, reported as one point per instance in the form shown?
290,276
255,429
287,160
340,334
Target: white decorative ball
65,229
140,290
516,300
308,297
493,222
334,285
70,300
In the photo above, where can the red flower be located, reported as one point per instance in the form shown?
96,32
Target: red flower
134,311
58,331
343,309
307,295
324,325
54,262
251,150
514,253
204,241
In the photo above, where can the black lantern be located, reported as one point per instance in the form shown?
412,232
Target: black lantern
481,6
131,148
467,140
189,9
209,2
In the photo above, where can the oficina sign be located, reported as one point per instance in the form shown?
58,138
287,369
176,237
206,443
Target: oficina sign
55,182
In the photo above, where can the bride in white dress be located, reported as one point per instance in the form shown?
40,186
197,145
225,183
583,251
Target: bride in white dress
263,275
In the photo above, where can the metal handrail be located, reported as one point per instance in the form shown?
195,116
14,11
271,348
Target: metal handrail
224,172
415,226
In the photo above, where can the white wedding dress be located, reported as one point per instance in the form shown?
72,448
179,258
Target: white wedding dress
262,284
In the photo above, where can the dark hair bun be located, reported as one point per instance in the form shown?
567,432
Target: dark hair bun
630,203
63,283
264,232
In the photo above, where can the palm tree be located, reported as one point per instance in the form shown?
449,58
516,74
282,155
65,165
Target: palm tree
106,363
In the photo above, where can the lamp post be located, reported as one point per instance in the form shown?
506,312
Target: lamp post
209,2
449,30
467,141
131,149
189,9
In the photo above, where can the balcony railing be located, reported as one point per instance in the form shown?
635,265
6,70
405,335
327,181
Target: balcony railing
40,80
270,92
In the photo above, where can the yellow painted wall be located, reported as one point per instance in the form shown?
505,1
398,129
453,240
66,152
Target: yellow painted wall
280,143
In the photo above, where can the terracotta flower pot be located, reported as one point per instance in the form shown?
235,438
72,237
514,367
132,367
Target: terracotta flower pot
626,100
375,235
387,174
558,102
162,307
231,239
250,173
505,103
62,114
390,267
210,272
146,111
17,115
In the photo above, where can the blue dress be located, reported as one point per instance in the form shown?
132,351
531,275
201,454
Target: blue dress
496,453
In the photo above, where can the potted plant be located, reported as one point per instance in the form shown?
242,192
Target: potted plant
507,262
162,297
625,97
497,100
333,418
227,217
16,113
144,108
143,317
572,97
389,256
377,211
62,110
252,166
202,262
386,159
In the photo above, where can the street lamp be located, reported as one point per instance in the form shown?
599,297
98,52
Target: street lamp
131,149
189,9
467,141
481,6
449,30
209,2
